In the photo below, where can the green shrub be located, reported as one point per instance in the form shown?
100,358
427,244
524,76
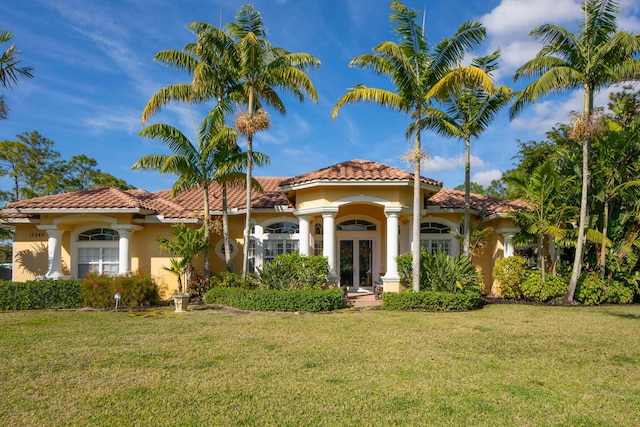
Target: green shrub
40,294
533,289
312,300
441,272
510,273
618,293
294,271
432,301
590,289
136,290
225,279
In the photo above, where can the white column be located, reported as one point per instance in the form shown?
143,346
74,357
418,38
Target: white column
507,244
55,253
124,252
392,244
258,252
329,240
303,222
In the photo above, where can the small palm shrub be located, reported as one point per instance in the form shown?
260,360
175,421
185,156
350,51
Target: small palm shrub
534,289
441,272
294,271
510,273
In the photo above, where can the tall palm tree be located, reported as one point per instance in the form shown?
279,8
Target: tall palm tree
194,164
230,162
467,112
415,71
10,69
261,69
596,56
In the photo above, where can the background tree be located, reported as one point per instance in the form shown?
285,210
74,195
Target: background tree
414,70
596,56
10,69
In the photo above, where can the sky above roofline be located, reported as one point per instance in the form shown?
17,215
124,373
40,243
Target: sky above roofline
93,74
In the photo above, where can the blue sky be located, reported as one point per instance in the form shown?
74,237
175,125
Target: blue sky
94,73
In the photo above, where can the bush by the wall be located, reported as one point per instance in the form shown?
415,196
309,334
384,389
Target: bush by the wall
136,290
432,301
312,300
294,271
510,272
533,289
40,294
441,272
226,279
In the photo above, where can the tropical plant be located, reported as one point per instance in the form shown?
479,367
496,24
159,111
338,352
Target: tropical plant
468,111
546,217
596,56
10,69
415,71
194,164
260,69
185,243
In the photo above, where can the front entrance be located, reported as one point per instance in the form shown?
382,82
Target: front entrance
356,263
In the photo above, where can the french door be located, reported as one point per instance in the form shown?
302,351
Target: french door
356,262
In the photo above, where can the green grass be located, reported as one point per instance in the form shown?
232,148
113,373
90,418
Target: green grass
514,365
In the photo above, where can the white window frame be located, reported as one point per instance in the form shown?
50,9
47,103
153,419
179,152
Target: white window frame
100,245
259,239
427,240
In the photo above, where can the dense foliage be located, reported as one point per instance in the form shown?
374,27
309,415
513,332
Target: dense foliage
311,300
294,271
510,272
40,294
137,290
441,272
432,301
535,289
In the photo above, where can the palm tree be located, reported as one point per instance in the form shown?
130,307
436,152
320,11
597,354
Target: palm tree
185,243
195,164
260,69
468,111
9,69
415,71
595,57
547,217
230,162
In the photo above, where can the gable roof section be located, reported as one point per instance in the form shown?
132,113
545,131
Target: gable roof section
106,198
485,205
356,170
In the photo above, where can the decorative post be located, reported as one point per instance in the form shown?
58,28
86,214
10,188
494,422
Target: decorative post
303,221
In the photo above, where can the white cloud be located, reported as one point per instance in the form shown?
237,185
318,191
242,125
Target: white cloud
485,178
438,163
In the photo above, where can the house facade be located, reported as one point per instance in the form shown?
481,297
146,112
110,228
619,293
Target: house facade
358,214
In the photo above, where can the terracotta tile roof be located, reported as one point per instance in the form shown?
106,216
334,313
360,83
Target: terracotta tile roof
355,170
97,198
454,199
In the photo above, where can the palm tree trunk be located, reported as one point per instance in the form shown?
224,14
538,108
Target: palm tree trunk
247,223
467,196
225,230
543,266
207,235
577,261
605,229
417,206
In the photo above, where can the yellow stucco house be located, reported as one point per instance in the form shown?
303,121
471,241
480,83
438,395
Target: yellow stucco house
357,213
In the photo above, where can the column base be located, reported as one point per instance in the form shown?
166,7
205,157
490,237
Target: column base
392,284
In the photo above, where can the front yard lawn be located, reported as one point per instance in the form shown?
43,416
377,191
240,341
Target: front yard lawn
515,365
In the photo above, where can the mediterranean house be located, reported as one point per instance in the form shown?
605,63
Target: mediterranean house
358,214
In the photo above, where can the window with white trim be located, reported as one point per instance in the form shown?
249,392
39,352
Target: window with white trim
278,238
98,252
435,237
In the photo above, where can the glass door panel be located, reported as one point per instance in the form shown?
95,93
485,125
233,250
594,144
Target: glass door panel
365,249
346,263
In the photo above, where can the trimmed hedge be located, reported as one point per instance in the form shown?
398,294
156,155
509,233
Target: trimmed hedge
40,294
432,301
312,300
136,290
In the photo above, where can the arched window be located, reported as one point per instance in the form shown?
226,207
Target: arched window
356,225
282,228
274,239
435,236
98,252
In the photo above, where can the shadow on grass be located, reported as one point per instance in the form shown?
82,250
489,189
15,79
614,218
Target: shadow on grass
632,316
